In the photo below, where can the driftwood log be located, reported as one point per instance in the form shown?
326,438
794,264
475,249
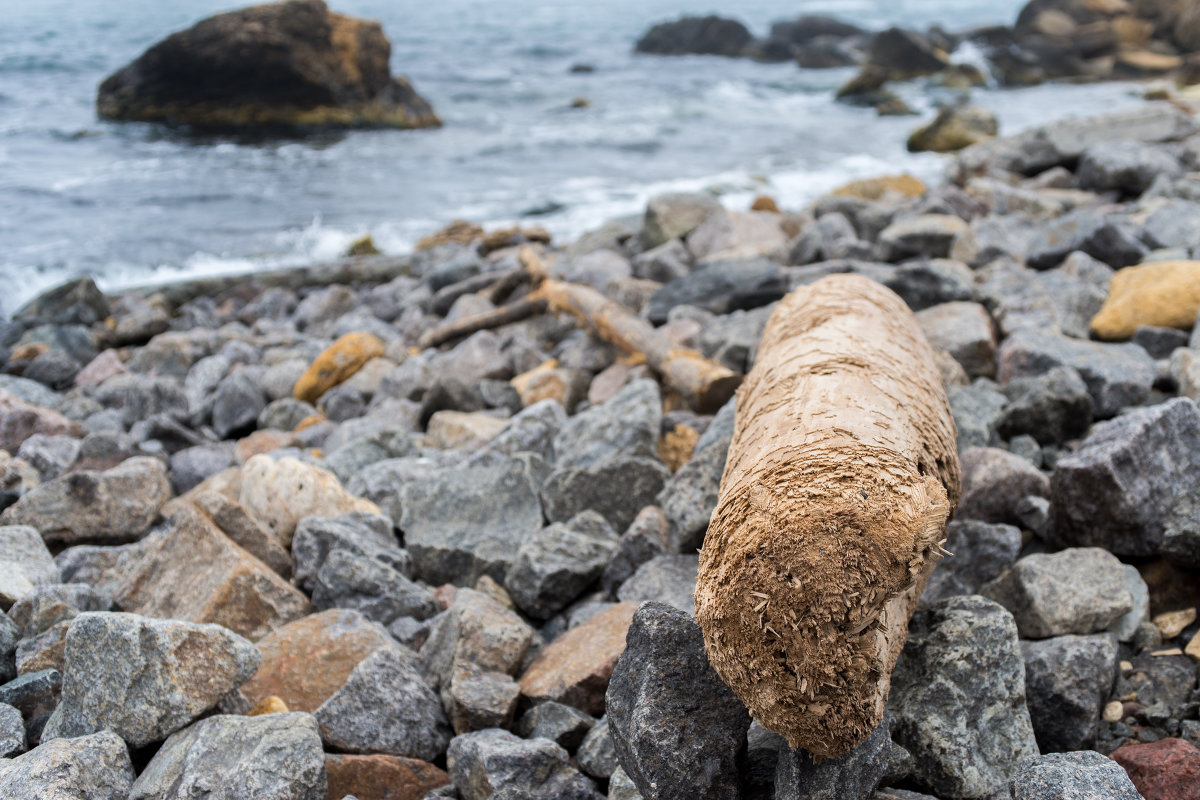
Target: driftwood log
832,512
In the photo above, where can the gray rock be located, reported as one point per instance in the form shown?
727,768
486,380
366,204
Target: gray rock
357,532
1067,683
677,728
1117,375
764,750
982,551
95,767
476,629
477,699
54,368
192,465
1163,683
145,678
1173,225
615,487
965,331
1159,342
554,565
927,282
1181,532
976,410
532,430
269,757
114,506
1052,407
285,414
49,604
496,764
1080,590
720,287
929,235
25,562
732,339
1117,490
958,694
1127,626
854,776
563,725
1087,231
1051,302
627,425
139,396
667,579
12,732
1085,775
690,495
353,458
34,694
994,481
371,586
50,455
597,754
622,787
76,302
462,523
646,537
8,646
664,263
675,215
385,706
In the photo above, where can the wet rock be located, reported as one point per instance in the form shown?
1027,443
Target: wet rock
113,506
25,562
1125,167
195,572
554,565
305,662
1085,775
20,419
1118,488
982,551
495,763
561,724
646,537
668,579
965,331
95,767
276,756
1117,375
854,776
477,699
994,481
385,706
1052,407
461,523
929,235
1080,590
905,54
381,777
575,668
145,678
1067,683
476,629
962,662
282,492
1168,769
677,728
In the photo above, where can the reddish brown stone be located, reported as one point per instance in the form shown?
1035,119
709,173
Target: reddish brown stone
1168,769
196,573
381,777
307,661
20,420
574,669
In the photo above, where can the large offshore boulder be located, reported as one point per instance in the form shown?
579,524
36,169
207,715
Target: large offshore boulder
293,63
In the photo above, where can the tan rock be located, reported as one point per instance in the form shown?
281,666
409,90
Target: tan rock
733,234
1113,711
338,362
548,381
197,573
1132,32
227,482
878,188
676,446
237,523
268,705
954,128
100,369
766,204
308,660
381,777
281,493
1172,623
574,669
1142,63
613,379
487,585
476,629
20,420
459,430
1164,293
457,232
1193,648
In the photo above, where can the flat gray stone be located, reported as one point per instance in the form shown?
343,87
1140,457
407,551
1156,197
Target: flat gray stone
1084,775
95,767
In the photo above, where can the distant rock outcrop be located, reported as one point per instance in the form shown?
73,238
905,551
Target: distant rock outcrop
293,63
713,36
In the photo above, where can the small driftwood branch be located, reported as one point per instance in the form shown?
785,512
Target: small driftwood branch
493,318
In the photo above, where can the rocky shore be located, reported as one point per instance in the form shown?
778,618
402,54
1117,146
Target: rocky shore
261,539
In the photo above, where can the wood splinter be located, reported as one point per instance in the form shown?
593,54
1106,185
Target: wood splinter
841,476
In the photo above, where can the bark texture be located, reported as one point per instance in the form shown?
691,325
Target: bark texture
841,477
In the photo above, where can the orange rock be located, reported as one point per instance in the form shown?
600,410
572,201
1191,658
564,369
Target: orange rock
457,232
764,203
676,446
310,659
381,777
268,705
196,573
875,188
1163,293
574,669
338,362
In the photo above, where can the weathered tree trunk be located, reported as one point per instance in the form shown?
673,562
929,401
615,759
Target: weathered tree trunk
841,477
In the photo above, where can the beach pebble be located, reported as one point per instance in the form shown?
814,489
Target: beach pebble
1067,683
145,678
95,767
49,454
1081,590
677,728
487,762
190,466
357,532
1085,775
236,405
275,756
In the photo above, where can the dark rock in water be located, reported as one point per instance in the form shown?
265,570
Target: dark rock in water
854,776
1117,375
1084,775
1067,682
563,725
905,54
710,35
954,128
1052,407
77,302
494,763
678,729
805,28
1117,490
96,767
275,756
1126,167
982,551
958,694
720,287
1080,590
292,64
